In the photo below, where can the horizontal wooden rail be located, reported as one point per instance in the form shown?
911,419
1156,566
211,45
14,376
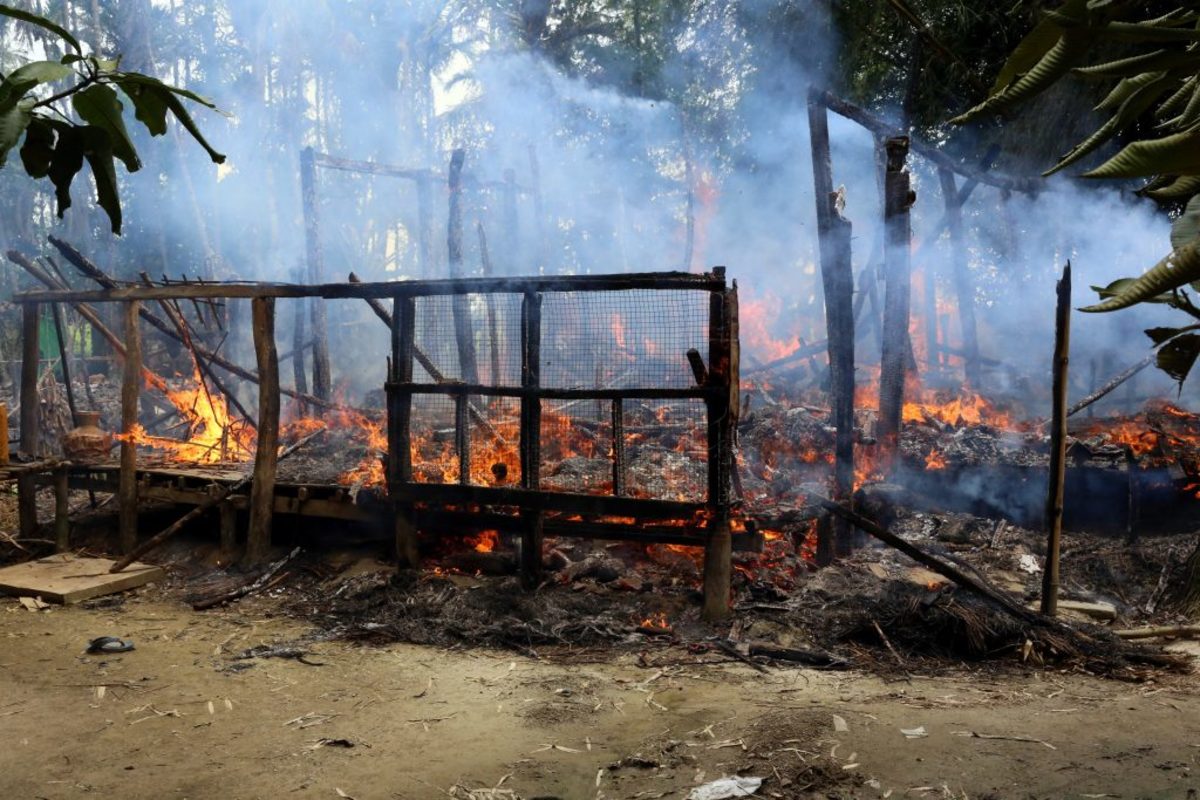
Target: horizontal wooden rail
550,393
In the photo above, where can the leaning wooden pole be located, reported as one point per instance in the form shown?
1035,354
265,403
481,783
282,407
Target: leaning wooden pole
1058,444
898,199
833,236
266,456
964,288
30,445
127,490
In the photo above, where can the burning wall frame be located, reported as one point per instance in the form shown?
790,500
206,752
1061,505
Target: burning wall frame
530,509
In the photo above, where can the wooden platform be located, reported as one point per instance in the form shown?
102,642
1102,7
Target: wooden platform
72,579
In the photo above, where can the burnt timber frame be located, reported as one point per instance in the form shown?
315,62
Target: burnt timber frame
529,510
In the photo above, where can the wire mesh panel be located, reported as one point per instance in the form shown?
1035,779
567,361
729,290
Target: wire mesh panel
490,326
623,339
666,449
576,448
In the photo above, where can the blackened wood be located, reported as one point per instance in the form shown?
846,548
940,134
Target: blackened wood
1058,443
227,513
699,371
618,446
127,493
460,305
62,512
64,353
681,281
490,299
266,455
322,381
299,377
30,445
550,501
1112,384
462,438
403,329
721,412
531,437
964,287
837,279
897,294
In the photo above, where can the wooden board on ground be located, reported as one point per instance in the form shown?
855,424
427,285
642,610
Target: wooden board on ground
72,579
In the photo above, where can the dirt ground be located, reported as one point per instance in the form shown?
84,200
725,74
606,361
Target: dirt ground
183,717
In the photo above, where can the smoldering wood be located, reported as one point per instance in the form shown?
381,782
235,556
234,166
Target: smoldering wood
1058,444
127,493
266,455
837,279
531,438
618,447
299,377
1116,381
218,498
322,382
399,458
964,288
722,407
898,198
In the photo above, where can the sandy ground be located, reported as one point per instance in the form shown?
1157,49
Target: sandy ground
181,717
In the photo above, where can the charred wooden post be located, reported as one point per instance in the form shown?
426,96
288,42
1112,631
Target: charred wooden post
266,455
699,371
64,354
127,492
723,407
30,445
322,379
4,457
299,378
62,511
837,280
468,367
898,198
964,288
462,438
618,446
1058,444
531,437
403,327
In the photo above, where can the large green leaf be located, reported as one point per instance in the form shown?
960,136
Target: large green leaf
68,160
185,119
18,83
149,103
1175,188
1178,269
1133,107
12,124
1118,286
1176,154
98,150
123,78
1163,335
34,19
38,151
1032,49
1127,88
1186,229
1178,356
1142,32
98,105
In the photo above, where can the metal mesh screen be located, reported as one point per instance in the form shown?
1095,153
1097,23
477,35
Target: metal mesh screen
492,327
620,340
666,449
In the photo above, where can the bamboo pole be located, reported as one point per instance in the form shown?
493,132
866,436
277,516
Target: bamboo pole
897,290
127,491
266,456
1058,444
834,236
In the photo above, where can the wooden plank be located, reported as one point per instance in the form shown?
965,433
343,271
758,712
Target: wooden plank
266,454
127,493
345,291
549,393
72,579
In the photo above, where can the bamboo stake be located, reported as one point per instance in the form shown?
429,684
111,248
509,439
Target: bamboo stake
127,491
1058,444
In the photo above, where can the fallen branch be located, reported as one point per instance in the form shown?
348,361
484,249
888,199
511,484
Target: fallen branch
212,501
1113,384
242,591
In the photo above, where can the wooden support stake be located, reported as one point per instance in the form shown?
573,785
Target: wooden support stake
964,288
1058,444
127,491
322,380
262,489
722,408
30,445
618,446
462,439
299,378
490,299
62,511
399,400
837,278
898,198
531,438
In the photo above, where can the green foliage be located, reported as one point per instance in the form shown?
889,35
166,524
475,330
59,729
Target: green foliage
56,146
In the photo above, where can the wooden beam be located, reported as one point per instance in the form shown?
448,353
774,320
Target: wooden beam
399,404
531,438
266,455
127,492
1058,443
898,198
721,413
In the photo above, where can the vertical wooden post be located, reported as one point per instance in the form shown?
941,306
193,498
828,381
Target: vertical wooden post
127,490
62,511
837,279
424,227
3,434
228,525
462,438
322,378
511,263
722,367
299,378
1058,444
898,198
964,287
266,454
399,428
531,436
618,446
463,329
30,426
